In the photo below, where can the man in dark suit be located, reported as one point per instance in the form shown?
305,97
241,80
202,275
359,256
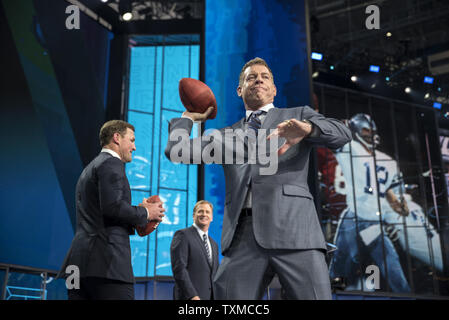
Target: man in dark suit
270,224
105,219
194,256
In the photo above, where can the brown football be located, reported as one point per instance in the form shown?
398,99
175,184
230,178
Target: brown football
151,225
196,96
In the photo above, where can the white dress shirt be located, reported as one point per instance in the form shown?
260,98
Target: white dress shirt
201,232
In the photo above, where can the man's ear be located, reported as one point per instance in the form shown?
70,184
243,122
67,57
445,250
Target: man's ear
115,138
275,90
239,91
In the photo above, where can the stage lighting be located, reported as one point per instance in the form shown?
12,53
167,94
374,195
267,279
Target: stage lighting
353,78
374,68
437,105
317,56
332,67
428,80
427,96
104,1
125,9
408,90
315,74
387,78
389,34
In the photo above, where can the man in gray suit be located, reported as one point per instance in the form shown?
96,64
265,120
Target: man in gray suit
270,224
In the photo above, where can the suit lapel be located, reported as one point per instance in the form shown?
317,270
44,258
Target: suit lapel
196,235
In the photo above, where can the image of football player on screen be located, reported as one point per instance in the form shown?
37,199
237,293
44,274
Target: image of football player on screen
360,239
413,231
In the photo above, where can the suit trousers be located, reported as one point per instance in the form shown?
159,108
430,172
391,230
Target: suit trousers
247,269
93,288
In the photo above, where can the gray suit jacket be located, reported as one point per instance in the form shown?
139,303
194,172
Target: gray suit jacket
284,214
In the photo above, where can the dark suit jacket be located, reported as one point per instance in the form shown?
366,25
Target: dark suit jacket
284,214
104,221
191,270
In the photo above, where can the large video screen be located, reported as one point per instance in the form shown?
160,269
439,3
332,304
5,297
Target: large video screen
382,195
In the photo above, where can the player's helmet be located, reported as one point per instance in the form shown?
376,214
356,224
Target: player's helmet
362,121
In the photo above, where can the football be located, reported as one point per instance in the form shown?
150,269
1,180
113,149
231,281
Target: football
196,96
151,225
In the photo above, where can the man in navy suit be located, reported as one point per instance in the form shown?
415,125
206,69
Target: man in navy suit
194,256
105,218
270,224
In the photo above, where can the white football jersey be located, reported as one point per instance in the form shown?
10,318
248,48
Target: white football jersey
364,186
421,238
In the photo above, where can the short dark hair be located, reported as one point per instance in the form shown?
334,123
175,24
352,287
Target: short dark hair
113,126
252,62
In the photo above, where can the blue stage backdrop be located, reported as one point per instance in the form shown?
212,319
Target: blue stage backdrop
53,104
236,32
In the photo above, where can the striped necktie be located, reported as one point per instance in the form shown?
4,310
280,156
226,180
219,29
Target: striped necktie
206,245
254,122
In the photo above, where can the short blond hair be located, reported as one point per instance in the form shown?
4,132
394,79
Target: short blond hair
195,208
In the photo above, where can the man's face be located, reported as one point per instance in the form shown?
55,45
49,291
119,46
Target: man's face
126,145
203,216
367,135
257,88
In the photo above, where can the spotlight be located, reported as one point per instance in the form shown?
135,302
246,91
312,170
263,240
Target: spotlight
332,67
389,34
125,9
127,16
104,1
408,90
437,105
315,74
427,96
387,79
353,78
373,86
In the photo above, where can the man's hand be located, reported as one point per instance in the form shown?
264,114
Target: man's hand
195,116
155,210
293,131
399,206
195,298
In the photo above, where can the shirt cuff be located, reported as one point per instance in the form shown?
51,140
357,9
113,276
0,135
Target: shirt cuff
187,117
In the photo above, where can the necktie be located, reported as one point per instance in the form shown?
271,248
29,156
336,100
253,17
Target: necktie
209,258
254,122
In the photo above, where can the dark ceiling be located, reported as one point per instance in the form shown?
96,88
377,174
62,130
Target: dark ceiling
418,28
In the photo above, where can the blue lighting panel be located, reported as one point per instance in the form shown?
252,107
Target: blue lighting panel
428,80
317,56
154,100
437,105
374,68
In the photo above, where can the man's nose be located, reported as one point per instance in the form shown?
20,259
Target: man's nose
259,79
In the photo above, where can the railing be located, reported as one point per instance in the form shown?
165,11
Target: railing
26,291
